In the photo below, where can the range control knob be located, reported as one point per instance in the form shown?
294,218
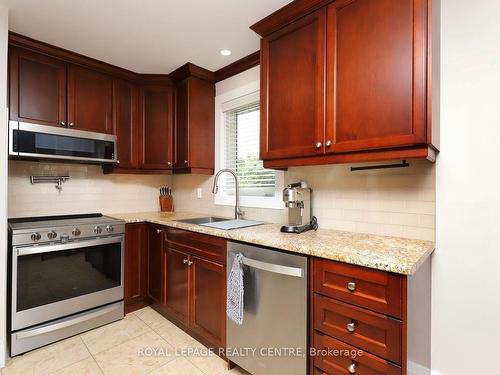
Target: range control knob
52,235
97,230
109,229
36,236
76,232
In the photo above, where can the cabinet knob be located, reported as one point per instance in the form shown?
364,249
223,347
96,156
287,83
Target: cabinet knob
190,263
352,368
185,261
351,286
318,144
71,124
185,161
351,327
328,143
169,163
62,123
159,231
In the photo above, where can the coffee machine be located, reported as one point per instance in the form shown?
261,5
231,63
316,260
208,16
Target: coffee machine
297,198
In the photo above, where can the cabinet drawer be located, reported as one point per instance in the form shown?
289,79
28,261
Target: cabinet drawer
367,330
336,357
202,245
372,289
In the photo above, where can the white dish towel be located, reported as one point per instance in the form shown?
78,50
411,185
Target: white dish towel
234,305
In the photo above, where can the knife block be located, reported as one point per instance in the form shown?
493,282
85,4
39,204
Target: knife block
166,203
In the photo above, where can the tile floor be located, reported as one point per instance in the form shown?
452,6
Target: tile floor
144,342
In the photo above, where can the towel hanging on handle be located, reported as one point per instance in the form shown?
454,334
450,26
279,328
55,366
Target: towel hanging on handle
234,305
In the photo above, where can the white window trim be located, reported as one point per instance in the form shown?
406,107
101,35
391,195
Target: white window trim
224,102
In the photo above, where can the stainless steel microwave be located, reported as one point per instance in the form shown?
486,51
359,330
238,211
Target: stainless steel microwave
35,141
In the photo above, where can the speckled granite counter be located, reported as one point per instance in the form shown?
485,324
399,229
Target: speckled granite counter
393,254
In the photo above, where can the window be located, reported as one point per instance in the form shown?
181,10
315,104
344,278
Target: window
238,150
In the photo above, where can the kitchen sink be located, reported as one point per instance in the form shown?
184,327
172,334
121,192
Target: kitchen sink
203,220
221,223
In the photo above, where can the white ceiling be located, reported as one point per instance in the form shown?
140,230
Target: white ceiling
146,36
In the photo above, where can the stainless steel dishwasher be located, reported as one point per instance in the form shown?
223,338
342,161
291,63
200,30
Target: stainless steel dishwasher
273,336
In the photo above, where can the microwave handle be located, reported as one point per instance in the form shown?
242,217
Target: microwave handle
31,250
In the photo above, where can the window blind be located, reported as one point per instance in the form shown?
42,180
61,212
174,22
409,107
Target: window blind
241,153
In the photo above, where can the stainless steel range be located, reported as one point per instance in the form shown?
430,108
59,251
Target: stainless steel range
65,277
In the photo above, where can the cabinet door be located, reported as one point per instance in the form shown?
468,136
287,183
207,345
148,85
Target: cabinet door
195,126
90,100
292,89
156,127
155,264
37,88
176,284
182,125
376,74
208,300
135,278
126,129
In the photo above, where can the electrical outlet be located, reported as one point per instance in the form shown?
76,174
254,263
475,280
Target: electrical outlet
199,193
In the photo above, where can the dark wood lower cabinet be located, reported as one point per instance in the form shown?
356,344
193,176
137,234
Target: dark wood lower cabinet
176,285
136,242
182,275
208,300
155,264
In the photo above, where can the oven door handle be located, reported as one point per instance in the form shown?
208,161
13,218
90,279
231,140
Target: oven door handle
67,323
31,250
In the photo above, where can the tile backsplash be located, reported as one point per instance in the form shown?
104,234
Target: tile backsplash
88,190
396,202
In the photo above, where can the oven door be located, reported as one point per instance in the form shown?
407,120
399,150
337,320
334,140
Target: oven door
56,280
48,142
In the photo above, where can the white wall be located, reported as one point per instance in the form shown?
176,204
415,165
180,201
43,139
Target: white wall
466,264
4,23
87,191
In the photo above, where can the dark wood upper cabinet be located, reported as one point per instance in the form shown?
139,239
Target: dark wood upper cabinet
347,81
155,130
292,89
194,121
155,264
376,74
126,122
176,284
37,88
208,302
135,277
90,100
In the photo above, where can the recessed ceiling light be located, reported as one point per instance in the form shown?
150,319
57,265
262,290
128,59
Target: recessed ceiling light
225,52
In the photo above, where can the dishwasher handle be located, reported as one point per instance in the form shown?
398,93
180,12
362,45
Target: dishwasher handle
275,268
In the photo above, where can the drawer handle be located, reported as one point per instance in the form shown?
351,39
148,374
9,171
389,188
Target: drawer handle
351,327
352,368
351,286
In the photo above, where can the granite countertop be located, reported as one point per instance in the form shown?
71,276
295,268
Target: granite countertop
393,254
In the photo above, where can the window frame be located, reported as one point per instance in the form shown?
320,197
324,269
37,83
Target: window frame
229,100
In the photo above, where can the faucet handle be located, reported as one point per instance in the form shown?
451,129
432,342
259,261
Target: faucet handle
239,213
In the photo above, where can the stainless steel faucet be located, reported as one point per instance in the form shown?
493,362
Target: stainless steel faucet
238,213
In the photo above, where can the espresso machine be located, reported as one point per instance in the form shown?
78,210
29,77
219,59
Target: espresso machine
298,200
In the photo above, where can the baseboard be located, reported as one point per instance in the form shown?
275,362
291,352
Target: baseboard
3,354
417,369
